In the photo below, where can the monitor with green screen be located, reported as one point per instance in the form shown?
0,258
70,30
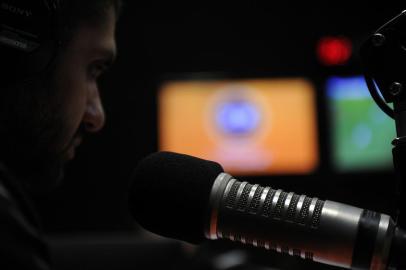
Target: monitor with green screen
361,134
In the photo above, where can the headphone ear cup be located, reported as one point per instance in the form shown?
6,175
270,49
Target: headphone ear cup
17,66
28,41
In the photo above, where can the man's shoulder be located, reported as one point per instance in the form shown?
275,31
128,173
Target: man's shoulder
4,194
21,245
11,216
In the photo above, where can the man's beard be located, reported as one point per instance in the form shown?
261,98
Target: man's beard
31,126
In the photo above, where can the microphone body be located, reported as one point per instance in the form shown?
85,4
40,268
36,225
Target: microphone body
324,231
192,199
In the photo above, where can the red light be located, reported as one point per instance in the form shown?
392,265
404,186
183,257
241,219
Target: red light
333,51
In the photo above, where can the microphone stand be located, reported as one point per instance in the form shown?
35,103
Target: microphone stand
397,256
399,162
398,249
383,55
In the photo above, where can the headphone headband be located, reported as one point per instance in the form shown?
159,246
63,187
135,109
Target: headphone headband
28,39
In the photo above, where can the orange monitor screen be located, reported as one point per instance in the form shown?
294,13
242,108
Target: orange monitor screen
251,127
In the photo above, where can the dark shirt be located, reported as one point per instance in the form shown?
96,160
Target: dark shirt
21,244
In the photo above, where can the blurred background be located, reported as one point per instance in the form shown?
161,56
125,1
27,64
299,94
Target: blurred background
273,93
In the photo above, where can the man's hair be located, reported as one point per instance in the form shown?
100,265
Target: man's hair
73,13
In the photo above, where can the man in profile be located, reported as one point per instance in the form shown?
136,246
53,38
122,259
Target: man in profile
44,118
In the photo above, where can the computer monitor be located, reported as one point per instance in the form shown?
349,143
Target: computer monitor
250,126
361,133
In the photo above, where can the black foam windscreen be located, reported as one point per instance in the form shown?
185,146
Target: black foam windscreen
169,194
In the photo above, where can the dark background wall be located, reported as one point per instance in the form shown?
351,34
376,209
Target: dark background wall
251,40
254,40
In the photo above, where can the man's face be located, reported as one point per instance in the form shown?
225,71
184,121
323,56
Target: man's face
56,118
85,58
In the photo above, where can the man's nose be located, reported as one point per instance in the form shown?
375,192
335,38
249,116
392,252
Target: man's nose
94,117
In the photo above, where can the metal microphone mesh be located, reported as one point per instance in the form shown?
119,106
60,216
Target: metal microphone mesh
276,205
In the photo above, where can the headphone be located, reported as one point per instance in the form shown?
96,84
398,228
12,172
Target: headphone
384,59
28,38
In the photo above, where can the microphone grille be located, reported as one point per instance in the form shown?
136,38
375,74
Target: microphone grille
242,202
256,200
276,206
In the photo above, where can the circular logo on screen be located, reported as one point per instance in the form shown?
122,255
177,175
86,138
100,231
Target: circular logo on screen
237,114
237,117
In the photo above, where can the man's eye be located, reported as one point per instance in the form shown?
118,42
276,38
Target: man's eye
95,70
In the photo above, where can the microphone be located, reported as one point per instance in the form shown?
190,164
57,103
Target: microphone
191,199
